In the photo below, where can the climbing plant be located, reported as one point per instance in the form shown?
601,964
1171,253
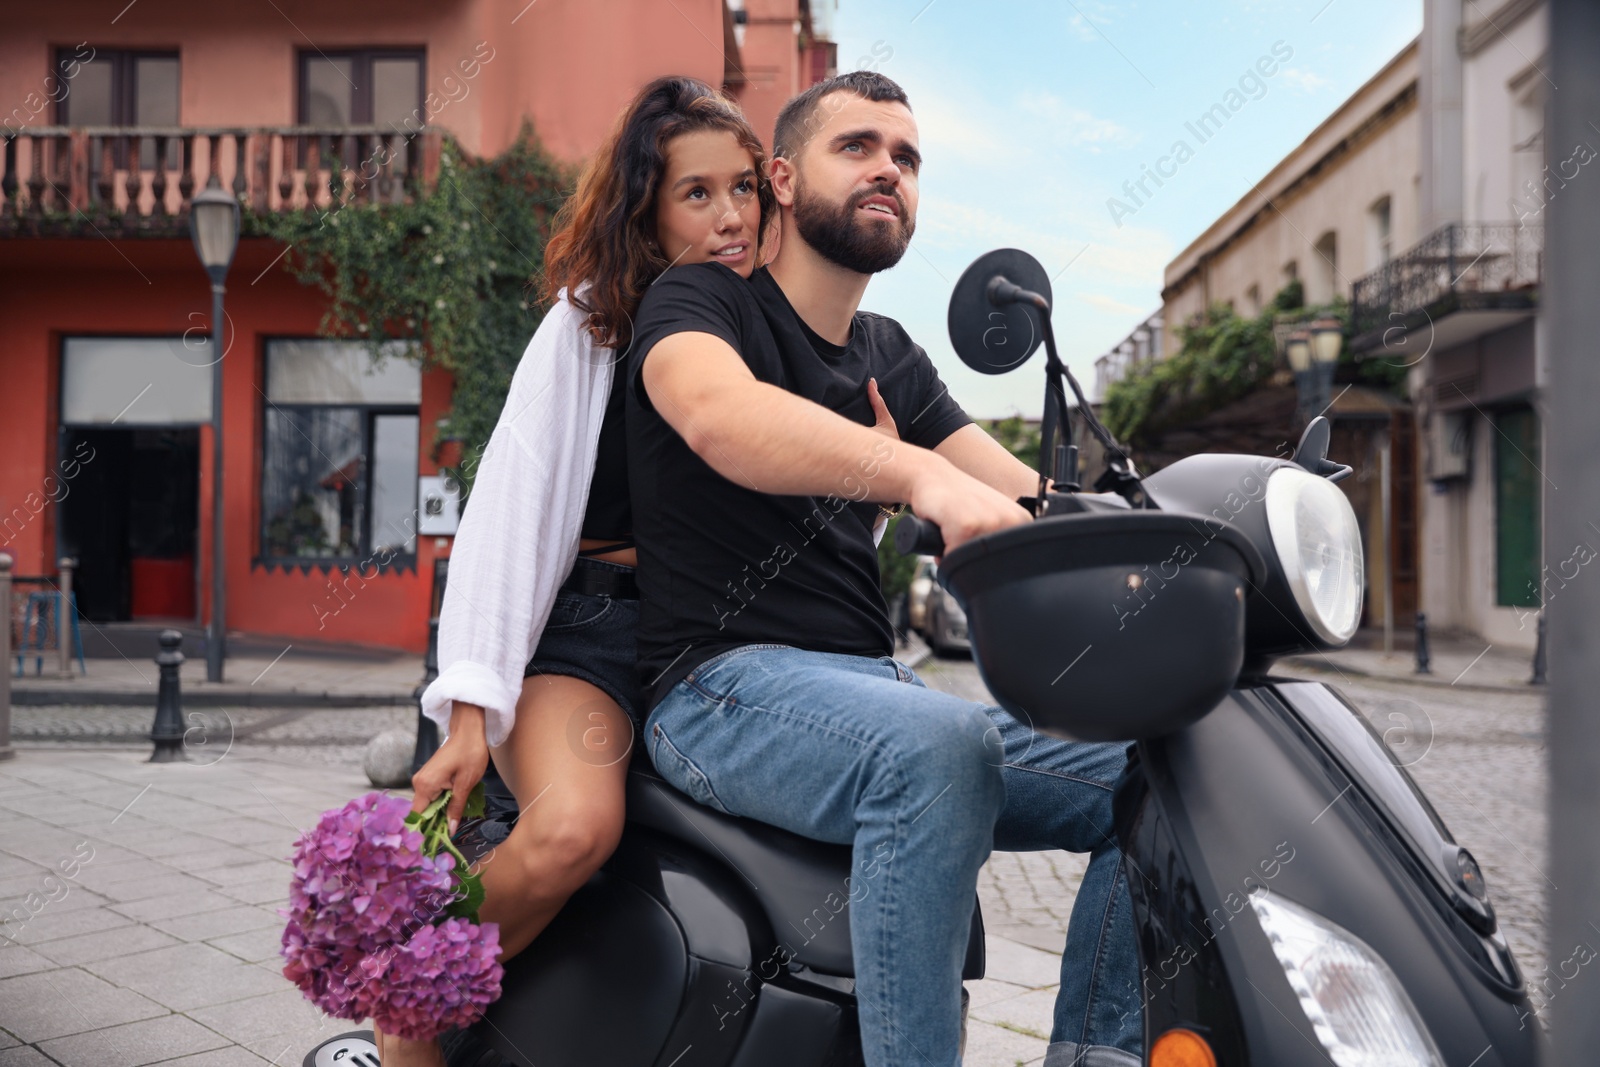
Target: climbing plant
1222,357
453,269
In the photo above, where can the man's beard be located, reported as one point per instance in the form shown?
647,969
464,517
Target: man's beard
841,236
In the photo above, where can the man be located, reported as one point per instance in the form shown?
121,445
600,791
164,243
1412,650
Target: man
764,642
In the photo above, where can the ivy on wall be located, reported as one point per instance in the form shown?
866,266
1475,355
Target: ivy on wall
1222,357
454,269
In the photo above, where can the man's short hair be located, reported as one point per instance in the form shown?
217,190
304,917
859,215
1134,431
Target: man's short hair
800,120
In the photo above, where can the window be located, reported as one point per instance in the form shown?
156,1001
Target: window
1291,272
364,88
1528,193
118,87
1381,233
339,452
361,88
135,381
1517,530
1322,285
1253,296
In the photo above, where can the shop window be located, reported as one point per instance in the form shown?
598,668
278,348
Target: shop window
1517,493
339,452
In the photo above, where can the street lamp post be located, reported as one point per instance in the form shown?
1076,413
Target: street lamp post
214,225
1327,338
1298,351
1313,353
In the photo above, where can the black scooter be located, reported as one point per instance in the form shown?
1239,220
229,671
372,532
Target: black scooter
1297,898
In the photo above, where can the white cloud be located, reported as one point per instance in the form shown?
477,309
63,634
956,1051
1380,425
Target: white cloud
1074,126
1302,80
1085,14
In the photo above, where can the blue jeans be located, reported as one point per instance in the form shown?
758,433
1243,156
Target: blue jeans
922,785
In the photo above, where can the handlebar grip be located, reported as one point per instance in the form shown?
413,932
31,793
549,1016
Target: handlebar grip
914,536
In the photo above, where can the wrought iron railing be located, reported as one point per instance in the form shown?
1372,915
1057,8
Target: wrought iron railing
133,179
1474,263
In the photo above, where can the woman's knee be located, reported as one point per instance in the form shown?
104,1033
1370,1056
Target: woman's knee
567,844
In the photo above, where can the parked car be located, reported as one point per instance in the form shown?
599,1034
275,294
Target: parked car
944,623
922,583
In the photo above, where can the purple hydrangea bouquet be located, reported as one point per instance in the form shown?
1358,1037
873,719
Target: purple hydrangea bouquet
383,919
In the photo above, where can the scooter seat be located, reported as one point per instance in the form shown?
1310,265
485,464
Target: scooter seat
804,886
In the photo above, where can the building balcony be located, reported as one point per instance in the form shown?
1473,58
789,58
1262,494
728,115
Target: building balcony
1460,282
133,181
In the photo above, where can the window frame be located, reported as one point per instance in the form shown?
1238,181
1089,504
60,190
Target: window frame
366,553
124,104
361,67
124,80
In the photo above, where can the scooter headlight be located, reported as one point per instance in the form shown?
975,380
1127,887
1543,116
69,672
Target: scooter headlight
1318,543
1356,1005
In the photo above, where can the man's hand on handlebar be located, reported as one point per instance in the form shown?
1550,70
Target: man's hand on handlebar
459,764
963,507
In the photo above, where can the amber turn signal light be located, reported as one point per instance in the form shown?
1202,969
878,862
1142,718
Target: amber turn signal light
1182,1048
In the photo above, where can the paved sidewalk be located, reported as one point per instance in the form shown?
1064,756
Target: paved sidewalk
163,947
290,678
164,944
1466,663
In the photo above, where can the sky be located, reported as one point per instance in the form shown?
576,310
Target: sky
1034,113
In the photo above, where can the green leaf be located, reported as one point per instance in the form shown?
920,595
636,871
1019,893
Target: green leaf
466,906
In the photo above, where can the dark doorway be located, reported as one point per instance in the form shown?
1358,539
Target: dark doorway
130,521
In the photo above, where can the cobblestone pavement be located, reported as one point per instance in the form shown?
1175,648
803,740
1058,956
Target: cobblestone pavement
1478,756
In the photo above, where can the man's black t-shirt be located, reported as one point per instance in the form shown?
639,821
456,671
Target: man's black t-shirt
721,565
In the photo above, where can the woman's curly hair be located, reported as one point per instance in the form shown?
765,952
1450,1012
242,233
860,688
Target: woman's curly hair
605,231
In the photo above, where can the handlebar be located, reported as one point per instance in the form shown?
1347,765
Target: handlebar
914,536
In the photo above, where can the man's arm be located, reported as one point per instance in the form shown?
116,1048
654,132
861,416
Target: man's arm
771,441
972,450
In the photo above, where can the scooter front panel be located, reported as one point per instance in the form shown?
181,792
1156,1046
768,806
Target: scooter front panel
1246,800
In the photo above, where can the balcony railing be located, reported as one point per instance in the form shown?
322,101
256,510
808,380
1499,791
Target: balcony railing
1459,267
132,180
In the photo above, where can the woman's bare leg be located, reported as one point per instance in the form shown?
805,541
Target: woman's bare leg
566,762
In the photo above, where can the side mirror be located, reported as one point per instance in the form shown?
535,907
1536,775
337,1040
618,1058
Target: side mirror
1312,452
990,337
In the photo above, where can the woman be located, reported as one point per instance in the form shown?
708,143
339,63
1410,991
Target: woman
542,677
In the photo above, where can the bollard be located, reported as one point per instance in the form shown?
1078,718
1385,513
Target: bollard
167,733
1538,655
1423,657
6,751
64,615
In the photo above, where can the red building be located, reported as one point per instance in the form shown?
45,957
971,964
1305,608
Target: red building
109,125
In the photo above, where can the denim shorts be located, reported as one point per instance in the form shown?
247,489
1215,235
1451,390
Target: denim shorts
593,638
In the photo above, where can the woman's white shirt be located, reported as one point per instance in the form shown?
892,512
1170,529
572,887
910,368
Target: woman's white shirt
519,533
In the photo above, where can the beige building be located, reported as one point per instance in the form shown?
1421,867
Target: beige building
1339,205
1420,200
1460,307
